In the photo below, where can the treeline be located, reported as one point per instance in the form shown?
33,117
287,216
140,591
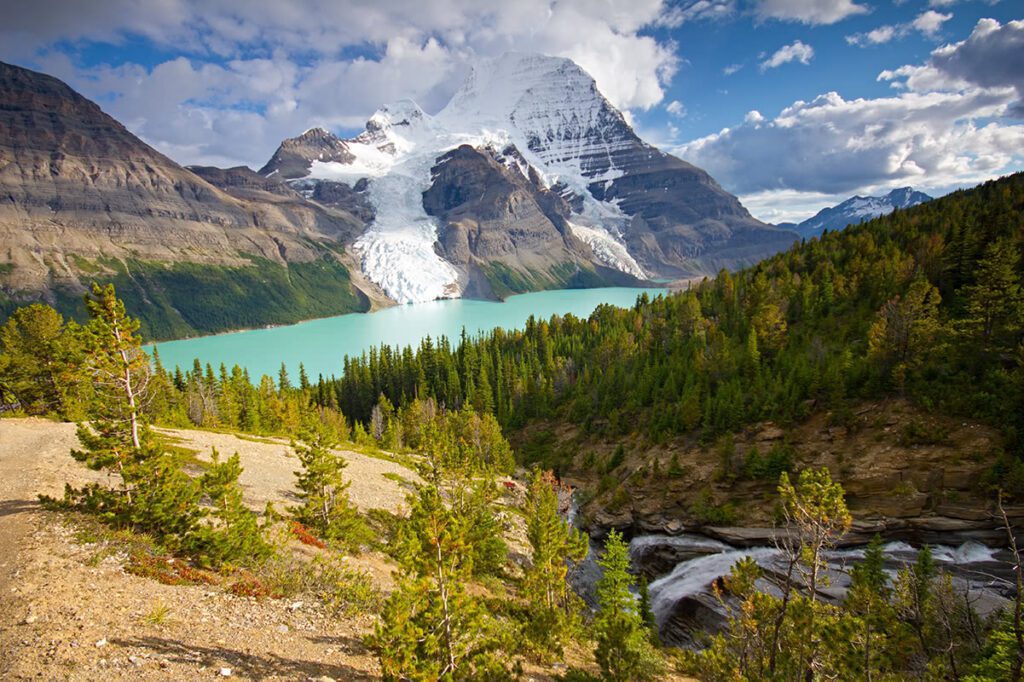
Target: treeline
925,303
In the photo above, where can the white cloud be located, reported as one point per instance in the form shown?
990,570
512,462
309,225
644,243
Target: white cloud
698,10
676,108
731,69
797,51
928,23
260,70
814,12
991,57
833,145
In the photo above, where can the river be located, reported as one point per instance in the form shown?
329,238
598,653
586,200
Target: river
321,344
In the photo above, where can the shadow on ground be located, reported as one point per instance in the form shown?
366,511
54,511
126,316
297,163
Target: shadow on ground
12,507
256,666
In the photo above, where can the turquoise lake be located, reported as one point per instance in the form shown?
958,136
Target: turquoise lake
321,344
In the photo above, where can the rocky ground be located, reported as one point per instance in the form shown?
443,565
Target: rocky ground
70,611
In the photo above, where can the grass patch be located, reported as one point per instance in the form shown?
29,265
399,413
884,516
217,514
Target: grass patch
159,615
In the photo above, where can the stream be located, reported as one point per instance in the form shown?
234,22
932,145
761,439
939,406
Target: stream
682,568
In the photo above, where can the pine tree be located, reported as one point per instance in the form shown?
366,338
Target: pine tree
431,628
553,608
235,535
647,612
624,651
119,370
995,303
39,361
325,507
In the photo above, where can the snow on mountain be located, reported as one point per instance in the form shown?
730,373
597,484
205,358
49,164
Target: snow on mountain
859,209
547,107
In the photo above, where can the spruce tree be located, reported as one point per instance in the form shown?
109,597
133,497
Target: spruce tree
624,651
553,607
119,370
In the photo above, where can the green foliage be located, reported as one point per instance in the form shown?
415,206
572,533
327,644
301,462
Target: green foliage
616,460
553,613
173,300
624,651
39,356
325,507
706,513
431,628
768,467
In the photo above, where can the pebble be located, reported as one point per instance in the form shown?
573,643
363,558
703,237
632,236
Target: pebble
282,629
101,643
225,672
295,606
29,620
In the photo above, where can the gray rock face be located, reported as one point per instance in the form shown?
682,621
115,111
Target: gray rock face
491,211
295,156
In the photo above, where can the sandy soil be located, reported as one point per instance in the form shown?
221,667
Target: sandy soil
68,612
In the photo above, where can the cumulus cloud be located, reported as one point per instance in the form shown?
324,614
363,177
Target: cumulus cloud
731,69
928,23
833,145
256,71
813,12
991,57
797,51
952,124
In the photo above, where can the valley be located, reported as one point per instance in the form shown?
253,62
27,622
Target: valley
494,383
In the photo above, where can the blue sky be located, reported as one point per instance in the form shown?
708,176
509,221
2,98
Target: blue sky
790,104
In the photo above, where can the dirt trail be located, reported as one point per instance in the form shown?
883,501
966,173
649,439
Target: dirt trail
69,611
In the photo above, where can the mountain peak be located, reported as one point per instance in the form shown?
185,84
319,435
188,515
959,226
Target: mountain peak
295,155
857,209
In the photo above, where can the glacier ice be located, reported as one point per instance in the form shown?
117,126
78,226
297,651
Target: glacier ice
547,107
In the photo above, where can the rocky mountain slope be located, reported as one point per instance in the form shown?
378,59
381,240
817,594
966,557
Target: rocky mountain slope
85,199
625,208
856,210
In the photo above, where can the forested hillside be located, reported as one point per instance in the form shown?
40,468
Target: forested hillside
925,303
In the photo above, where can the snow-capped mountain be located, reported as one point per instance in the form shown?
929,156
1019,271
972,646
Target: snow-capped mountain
859,209
527,178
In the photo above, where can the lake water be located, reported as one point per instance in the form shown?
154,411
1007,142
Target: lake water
321,344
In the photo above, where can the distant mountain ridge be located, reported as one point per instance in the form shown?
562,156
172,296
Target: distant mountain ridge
630,210
85,200
858,209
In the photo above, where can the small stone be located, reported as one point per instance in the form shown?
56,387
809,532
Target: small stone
225,672
295,606
101,643
29,619
135,660
282,629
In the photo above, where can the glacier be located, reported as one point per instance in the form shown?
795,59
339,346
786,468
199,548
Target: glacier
547,107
